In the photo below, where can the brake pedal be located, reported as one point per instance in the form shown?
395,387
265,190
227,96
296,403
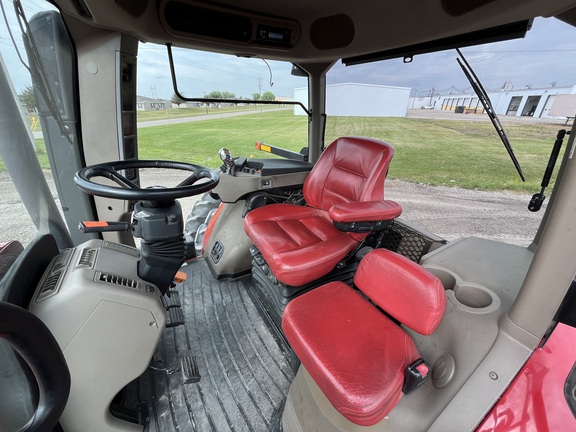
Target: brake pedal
175,317
171,300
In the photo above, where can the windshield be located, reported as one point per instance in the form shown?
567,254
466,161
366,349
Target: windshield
196,130
441,133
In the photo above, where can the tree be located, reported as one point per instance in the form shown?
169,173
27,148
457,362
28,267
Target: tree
255,96
268,96
214,95
176,99
27,98
220,95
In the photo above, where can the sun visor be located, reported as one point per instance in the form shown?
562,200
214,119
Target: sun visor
495,34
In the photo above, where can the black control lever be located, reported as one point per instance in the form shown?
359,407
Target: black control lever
102,226
538,198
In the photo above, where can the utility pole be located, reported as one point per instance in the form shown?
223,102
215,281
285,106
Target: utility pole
415,94
260,87
153,91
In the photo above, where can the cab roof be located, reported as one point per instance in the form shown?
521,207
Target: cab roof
313,31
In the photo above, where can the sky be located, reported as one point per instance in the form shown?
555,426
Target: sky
544,58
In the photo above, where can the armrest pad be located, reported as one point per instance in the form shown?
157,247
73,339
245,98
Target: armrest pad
366,211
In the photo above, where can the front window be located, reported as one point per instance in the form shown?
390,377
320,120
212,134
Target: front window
203,128
442,135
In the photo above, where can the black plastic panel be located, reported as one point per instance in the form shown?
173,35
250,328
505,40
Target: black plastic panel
200,21
495,34
272,167
567,311
19,284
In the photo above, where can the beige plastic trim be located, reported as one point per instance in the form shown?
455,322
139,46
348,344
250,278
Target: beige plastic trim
231,188
307,409
108,331
554,266
98,70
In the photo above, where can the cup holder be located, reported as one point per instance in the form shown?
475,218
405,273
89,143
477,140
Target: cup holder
466,296
447,278
472,296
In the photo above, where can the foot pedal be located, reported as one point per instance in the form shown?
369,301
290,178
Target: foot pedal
189,368
171,300
175,317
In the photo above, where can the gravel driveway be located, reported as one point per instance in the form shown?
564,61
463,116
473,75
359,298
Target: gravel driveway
447,212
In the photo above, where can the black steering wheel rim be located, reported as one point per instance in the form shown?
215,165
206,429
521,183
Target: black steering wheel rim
128,190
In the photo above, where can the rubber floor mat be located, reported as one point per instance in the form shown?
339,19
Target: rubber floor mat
244,375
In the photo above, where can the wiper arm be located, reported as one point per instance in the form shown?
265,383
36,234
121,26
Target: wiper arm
483,97
234,101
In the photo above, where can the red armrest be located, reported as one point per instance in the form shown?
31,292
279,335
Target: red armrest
365,211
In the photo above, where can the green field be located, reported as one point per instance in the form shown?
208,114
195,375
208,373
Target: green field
435,152
143,116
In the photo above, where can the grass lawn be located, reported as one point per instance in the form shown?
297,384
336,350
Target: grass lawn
436,152
143,116
40,152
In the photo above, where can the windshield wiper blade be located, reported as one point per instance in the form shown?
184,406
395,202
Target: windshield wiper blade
485,100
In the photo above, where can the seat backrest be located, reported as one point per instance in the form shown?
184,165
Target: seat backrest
351,169
404,289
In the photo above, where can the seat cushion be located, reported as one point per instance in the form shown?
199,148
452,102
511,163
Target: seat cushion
355,354
300,244
404,289
351,169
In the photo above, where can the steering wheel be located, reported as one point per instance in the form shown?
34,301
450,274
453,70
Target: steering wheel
129,190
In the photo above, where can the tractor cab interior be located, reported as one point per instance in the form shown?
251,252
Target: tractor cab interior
292,296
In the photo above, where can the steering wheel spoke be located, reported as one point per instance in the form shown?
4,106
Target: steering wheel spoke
128,190
123,181
189,180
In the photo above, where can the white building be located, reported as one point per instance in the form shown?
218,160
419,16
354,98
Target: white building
532,102
360,100
149,104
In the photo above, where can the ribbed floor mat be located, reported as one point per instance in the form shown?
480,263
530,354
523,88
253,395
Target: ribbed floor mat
245,376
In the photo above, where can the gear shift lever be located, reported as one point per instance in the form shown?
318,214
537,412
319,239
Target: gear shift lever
226,157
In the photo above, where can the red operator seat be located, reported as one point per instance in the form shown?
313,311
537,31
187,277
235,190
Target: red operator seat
356,355
346,187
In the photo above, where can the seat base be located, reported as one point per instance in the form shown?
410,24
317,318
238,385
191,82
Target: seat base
308,409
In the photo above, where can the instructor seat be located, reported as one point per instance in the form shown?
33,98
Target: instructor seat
344,194
360,358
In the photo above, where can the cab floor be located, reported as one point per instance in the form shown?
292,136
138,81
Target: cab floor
245,376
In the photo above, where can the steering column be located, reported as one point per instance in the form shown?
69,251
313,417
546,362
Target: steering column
157,216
